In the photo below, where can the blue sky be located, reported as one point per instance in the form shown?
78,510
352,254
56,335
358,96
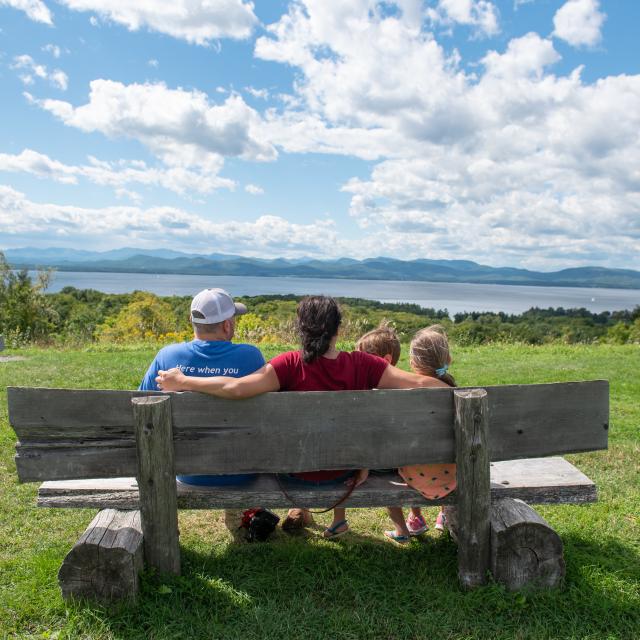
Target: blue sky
503,132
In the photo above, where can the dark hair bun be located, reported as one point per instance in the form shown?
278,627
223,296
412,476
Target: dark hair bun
318,320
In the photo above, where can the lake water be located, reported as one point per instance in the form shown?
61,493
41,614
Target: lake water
456,297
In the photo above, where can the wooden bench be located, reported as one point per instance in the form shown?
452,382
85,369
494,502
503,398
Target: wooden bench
89,447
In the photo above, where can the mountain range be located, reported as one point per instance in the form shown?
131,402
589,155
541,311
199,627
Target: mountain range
132,260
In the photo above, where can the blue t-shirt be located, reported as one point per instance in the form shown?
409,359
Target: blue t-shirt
204,358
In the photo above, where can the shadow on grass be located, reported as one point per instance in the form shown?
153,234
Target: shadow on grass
359,588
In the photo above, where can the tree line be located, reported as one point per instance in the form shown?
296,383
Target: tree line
29,315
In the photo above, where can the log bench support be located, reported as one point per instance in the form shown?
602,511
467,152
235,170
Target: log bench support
526,552
106,561
471,425
157,482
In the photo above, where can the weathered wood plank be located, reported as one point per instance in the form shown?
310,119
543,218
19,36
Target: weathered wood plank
474,488
156,482
68,434
536,481
106,561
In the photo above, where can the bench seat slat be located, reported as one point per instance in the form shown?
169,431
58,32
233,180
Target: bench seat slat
71,434
536,481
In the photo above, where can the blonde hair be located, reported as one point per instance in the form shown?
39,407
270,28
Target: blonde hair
429,351
381,341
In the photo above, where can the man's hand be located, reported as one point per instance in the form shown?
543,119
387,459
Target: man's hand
172,380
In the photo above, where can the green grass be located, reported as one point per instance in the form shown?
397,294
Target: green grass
359,587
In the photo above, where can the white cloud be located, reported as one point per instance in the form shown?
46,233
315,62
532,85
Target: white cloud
181,127
153,63
509,165
263,94
579,22
59,79
480,14
528,55
254,189
161,226
116,174
196,21
35,9
53,49
29,68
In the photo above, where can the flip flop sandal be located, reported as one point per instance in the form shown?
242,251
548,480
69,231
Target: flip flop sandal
332,532
398,539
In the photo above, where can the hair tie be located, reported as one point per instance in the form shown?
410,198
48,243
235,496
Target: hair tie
442,370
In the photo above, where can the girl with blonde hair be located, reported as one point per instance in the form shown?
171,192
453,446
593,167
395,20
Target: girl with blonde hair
429,356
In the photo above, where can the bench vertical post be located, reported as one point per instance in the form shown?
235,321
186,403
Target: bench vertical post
471,424
157,482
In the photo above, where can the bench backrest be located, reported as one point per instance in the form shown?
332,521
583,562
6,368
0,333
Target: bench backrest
71,434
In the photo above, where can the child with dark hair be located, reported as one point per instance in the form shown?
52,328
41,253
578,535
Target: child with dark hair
318,366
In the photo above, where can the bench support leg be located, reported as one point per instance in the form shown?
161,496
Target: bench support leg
474,494
105,562
525,549
157,482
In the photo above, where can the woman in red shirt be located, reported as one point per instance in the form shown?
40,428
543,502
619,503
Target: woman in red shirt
318,366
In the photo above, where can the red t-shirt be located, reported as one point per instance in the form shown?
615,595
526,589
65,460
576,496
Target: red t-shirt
350,371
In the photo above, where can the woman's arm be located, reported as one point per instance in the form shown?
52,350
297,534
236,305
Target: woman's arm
394,378
263,380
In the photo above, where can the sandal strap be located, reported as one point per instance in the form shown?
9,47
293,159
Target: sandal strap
336,526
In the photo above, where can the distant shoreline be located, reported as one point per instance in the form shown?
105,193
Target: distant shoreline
322,276
455,297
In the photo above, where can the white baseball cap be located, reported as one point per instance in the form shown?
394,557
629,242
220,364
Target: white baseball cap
211,306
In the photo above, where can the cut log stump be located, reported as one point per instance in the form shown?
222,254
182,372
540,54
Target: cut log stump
105,563
525,550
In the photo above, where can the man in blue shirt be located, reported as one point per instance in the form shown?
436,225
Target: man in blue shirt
210,353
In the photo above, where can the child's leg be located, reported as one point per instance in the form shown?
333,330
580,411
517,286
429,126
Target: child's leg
416,523
397,517
339,524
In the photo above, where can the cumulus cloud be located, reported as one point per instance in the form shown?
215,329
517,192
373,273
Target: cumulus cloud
263,94
509,165
579,22
196,21
254,189
29,69
35,9
480,14
116,174
53,49
161,226
181,127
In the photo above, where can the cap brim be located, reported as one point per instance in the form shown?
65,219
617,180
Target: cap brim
240,308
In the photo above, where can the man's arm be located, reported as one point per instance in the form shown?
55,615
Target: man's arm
394,378
149,381
263,380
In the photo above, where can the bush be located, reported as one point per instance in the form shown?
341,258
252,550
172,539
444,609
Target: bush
25,312
147,317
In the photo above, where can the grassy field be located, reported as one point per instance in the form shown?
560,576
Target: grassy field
360,587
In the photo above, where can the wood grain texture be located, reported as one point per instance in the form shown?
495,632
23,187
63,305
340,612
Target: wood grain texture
525,550
156,482
474,488
72,434
106,561
536,481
